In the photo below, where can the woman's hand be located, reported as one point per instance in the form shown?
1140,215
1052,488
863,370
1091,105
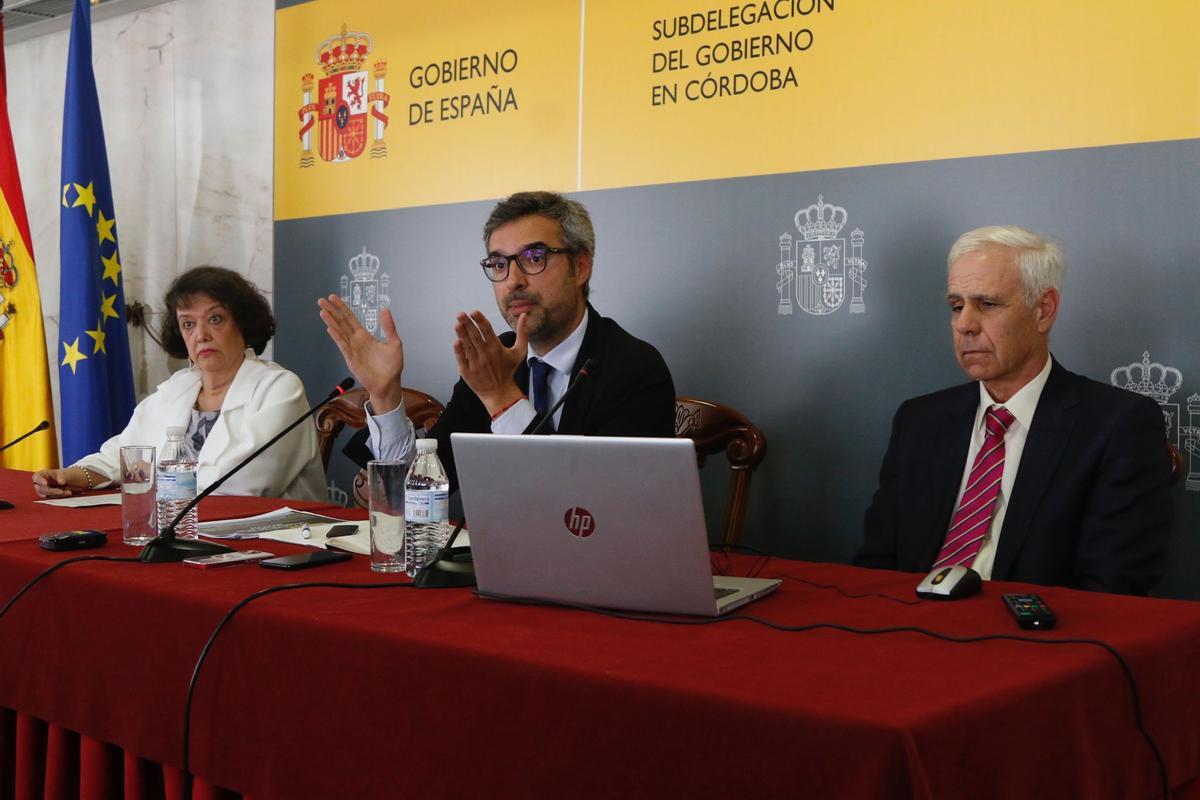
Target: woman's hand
59,482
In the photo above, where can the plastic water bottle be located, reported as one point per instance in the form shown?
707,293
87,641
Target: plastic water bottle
176,477
426,507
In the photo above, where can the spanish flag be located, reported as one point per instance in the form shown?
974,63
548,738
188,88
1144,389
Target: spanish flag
25,398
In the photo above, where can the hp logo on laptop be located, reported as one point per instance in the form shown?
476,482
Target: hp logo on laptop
579,522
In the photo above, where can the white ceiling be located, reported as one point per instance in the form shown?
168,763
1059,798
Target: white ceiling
25,19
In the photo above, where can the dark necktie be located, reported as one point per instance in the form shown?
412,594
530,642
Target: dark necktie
539,386
973,518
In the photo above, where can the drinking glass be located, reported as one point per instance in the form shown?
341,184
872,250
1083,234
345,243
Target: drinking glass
138,517
385,494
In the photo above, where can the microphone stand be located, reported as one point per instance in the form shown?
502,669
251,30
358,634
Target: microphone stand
452,566
41,426
166,547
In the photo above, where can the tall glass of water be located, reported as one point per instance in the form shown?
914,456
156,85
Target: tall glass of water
385,492
138,518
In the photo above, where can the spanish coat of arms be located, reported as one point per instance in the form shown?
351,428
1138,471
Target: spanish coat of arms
346,112
816,270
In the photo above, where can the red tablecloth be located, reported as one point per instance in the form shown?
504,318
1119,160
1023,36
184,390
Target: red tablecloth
329,693
28,518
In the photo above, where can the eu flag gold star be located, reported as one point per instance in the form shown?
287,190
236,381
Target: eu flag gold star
97,338
112,268
66,188
104,227
106,308
73,356
86,197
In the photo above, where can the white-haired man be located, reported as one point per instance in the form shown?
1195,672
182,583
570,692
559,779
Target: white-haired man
1030,472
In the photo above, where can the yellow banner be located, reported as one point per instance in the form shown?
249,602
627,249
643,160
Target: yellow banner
480,103
383,105
680,90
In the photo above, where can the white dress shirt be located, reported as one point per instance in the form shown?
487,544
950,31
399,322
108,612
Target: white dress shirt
1022,406
390,435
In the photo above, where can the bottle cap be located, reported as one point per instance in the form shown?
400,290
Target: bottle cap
426,445
176,430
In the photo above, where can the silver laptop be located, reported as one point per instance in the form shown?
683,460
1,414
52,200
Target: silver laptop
601,521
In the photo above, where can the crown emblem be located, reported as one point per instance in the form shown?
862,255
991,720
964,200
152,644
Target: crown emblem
364,266
344,53
821,220
1148,378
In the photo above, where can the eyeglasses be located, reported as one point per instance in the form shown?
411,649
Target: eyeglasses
532,260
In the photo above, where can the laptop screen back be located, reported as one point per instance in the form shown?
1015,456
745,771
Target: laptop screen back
606,521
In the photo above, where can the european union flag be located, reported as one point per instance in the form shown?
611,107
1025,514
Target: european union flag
95,374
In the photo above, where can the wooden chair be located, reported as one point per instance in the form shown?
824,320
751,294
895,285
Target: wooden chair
1177,468
423,409
715,428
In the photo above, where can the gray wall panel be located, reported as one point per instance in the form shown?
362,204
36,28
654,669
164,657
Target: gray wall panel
692,268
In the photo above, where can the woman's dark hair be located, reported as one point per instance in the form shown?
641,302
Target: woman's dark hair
245,302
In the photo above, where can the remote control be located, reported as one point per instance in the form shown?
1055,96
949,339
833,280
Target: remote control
1031,612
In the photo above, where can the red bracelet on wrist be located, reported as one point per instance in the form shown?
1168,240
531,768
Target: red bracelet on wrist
500,413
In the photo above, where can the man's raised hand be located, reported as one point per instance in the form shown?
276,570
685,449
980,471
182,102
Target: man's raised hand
377,365
485,363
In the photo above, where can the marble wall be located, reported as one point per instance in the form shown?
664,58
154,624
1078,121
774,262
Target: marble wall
185,92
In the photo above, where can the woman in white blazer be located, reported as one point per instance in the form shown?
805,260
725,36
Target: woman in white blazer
229,400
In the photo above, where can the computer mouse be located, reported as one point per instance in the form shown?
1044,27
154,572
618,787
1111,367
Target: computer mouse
950,583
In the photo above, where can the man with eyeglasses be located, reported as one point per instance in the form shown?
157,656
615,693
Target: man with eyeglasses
540,248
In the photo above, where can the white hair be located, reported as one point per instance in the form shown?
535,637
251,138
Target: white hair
1039,258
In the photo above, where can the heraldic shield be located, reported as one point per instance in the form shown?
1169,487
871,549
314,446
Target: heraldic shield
343,116
821,284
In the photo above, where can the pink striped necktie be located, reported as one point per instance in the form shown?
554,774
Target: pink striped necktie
974,515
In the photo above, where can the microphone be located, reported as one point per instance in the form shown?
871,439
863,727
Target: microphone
451,566
41,426
166,547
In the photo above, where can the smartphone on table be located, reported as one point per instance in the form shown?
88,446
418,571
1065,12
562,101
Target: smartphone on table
313,558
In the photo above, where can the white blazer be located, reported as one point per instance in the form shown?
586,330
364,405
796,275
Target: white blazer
262,400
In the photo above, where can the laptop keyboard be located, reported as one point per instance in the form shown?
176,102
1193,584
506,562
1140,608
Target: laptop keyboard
724,592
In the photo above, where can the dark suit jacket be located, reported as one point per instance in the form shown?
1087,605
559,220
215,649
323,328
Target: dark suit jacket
1090,507
629,393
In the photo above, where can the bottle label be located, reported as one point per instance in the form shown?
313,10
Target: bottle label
426,505
176,485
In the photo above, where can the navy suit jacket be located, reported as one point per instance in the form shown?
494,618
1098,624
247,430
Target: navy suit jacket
1090,507
629,393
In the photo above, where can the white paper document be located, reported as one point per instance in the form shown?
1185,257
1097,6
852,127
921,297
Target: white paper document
282,519
359,542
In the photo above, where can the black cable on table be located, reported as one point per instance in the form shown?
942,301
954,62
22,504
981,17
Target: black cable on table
229,615
992,637
50,570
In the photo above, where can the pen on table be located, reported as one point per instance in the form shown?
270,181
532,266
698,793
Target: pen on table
306,531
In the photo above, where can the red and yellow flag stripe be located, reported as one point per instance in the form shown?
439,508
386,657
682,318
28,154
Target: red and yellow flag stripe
25,396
